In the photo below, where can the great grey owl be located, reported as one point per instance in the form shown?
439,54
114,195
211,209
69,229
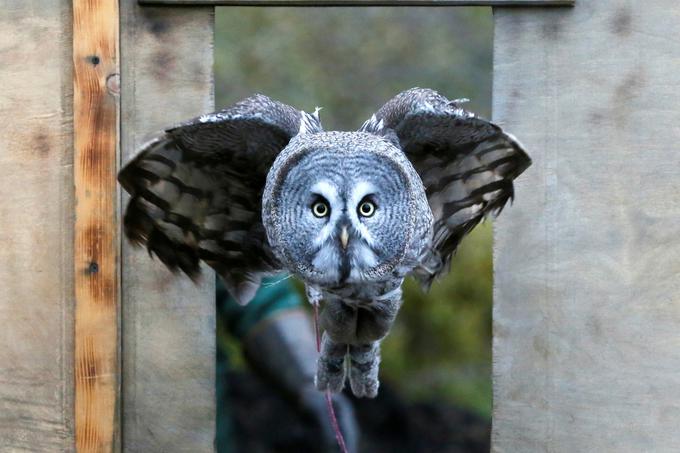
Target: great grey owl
259,187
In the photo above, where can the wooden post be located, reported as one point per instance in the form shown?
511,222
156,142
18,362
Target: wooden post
168,329
36,212
95,113
587,294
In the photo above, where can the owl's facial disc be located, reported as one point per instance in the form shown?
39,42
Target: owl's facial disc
343,215
344,248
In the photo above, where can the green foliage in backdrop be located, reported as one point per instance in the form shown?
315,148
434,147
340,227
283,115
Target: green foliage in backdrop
349,61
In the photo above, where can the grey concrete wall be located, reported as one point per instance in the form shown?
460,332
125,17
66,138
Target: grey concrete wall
587,261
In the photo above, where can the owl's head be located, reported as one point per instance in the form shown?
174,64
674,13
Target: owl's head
345,207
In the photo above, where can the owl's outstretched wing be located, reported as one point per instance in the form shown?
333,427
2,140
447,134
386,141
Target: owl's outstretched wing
467,165
196,191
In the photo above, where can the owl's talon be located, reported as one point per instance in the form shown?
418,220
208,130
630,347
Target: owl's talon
363,385
330,367
363,370
330,374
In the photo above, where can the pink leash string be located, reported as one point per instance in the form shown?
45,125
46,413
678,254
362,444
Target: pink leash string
329,401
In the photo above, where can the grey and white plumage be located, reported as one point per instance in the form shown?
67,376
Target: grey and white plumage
259,187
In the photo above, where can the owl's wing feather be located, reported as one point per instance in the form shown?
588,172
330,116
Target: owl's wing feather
467,166
196,191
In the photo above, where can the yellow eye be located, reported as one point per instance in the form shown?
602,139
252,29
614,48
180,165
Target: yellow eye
320,209
366,209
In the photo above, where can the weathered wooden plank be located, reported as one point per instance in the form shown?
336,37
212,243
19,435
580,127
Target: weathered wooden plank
36,212
587,294
168,322
361,2
95,113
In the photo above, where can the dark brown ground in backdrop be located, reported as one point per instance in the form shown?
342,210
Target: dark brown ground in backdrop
265,423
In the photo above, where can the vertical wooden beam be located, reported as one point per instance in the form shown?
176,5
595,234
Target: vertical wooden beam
95,113
36,227
168,323
587,294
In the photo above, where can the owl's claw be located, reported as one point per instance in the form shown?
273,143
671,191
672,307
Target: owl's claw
330,367
363,370
364,385
330,374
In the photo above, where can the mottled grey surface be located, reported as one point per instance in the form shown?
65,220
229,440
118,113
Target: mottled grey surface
587,294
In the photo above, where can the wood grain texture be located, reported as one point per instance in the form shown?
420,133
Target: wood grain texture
36,212
361,2
95,113
168,322
587,294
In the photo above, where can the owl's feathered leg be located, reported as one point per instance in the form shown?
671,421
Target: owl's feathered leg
331,369
355,331
363,369
373,322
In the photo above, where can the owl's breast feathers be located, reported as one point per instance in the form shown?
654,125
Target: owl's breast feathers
365,294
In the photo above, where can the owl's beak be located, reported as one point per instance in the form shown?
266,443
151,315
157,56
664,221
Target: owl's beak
344,238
